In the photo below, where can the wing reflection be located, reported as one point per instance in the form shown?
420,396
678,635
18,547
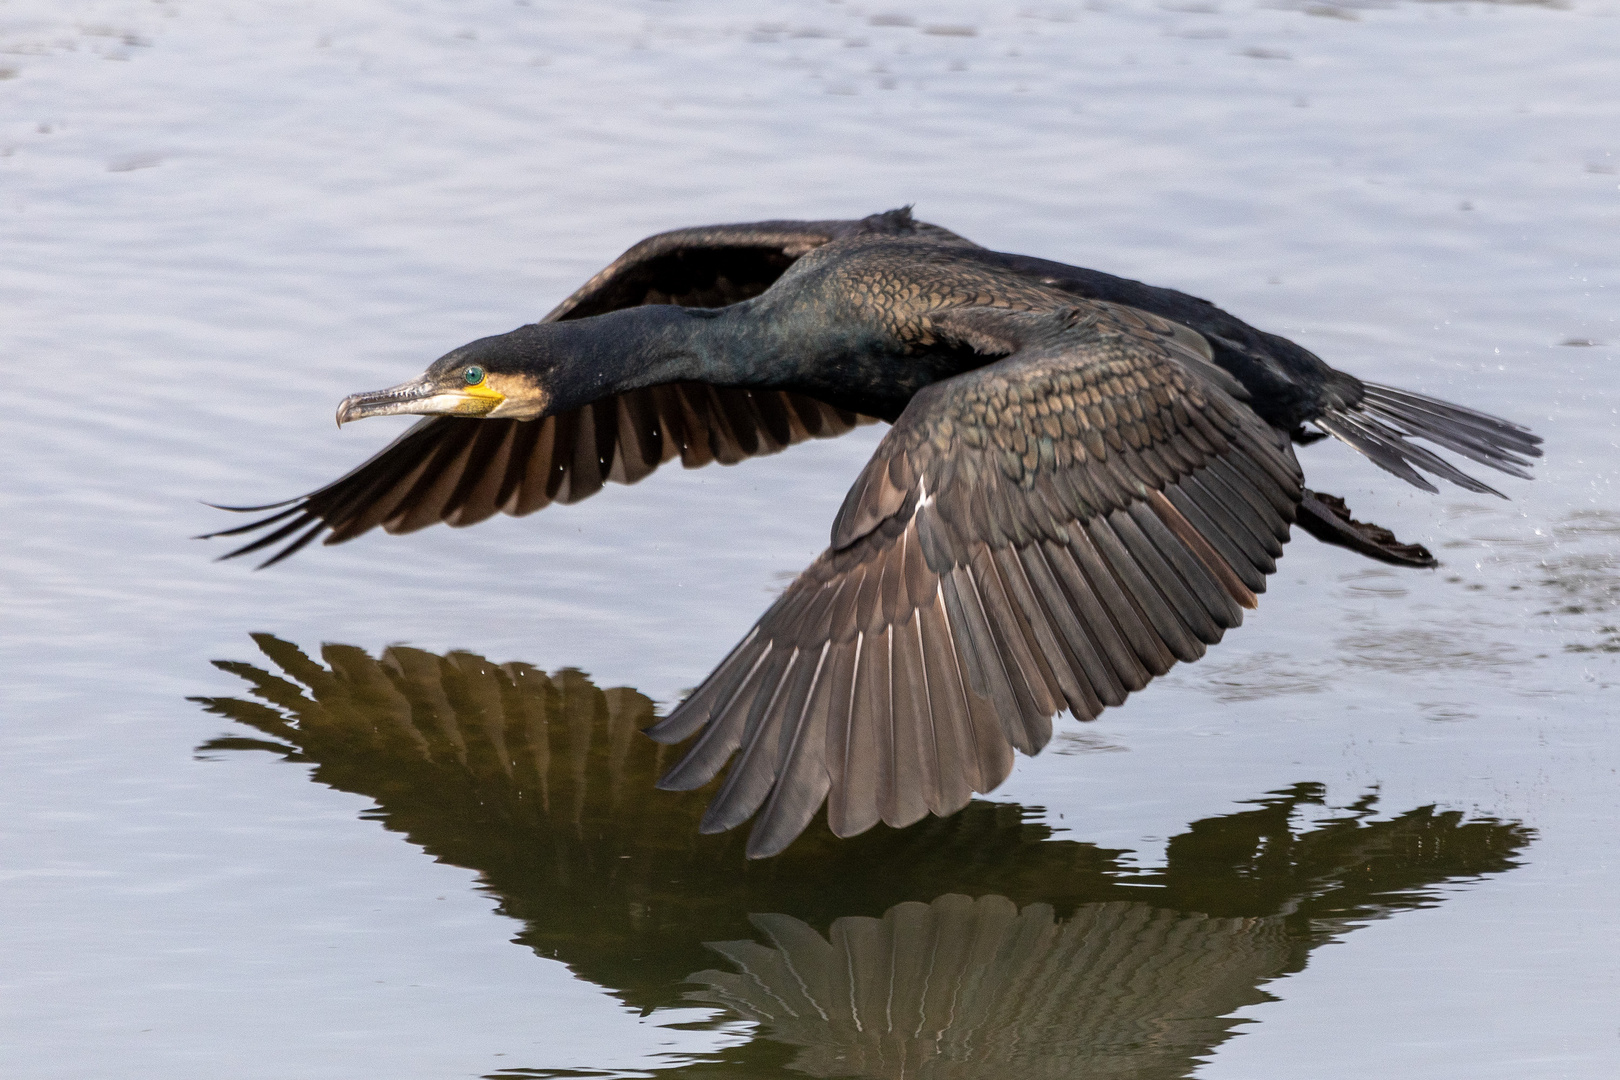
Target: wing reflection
977,945
964,987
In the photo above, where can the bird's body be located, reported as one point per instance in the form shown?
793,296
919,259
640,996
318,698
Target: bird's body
1087,480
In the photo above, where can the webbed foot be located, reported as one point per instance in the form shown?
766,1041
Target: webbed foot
1327,518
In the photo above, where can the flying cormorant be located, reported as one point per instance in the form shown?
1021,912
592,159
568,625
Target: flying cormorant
1087,479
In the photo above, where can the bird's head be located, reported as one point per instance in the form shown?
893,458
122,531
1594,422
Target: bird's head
507,377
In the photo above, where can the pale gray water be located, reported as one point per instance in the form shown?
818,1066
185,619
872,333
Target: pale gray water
218,218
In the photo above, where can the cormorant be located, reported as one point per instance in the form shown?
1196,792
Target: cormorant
1086,480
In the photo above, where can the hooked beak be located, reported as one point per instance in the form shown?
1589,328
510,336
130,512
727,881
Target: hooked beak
419,398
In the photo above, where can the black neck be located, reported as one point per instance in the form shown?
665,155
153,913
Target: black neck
586,359
785,347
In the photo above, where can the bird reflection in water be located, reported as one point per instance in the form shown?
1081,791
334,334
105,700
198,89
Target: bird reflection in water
973,946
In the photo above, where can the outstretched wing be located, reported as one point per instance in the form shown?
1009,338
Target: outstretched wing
716,265
460,471
1047,532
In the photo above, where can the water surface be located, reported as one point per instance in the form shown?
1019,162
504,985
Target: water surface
1370,834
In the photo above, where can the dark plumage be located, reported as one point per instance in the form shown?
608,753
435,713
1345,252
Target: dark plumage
1087,480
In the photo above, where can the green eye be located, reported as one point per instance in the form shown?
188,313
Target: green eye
474,375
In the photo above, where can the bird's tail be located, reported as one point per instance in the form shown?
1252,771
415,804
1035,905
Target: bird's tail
1381,424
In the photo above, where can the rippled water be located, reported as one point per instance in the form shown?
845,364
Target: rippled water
1370,834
